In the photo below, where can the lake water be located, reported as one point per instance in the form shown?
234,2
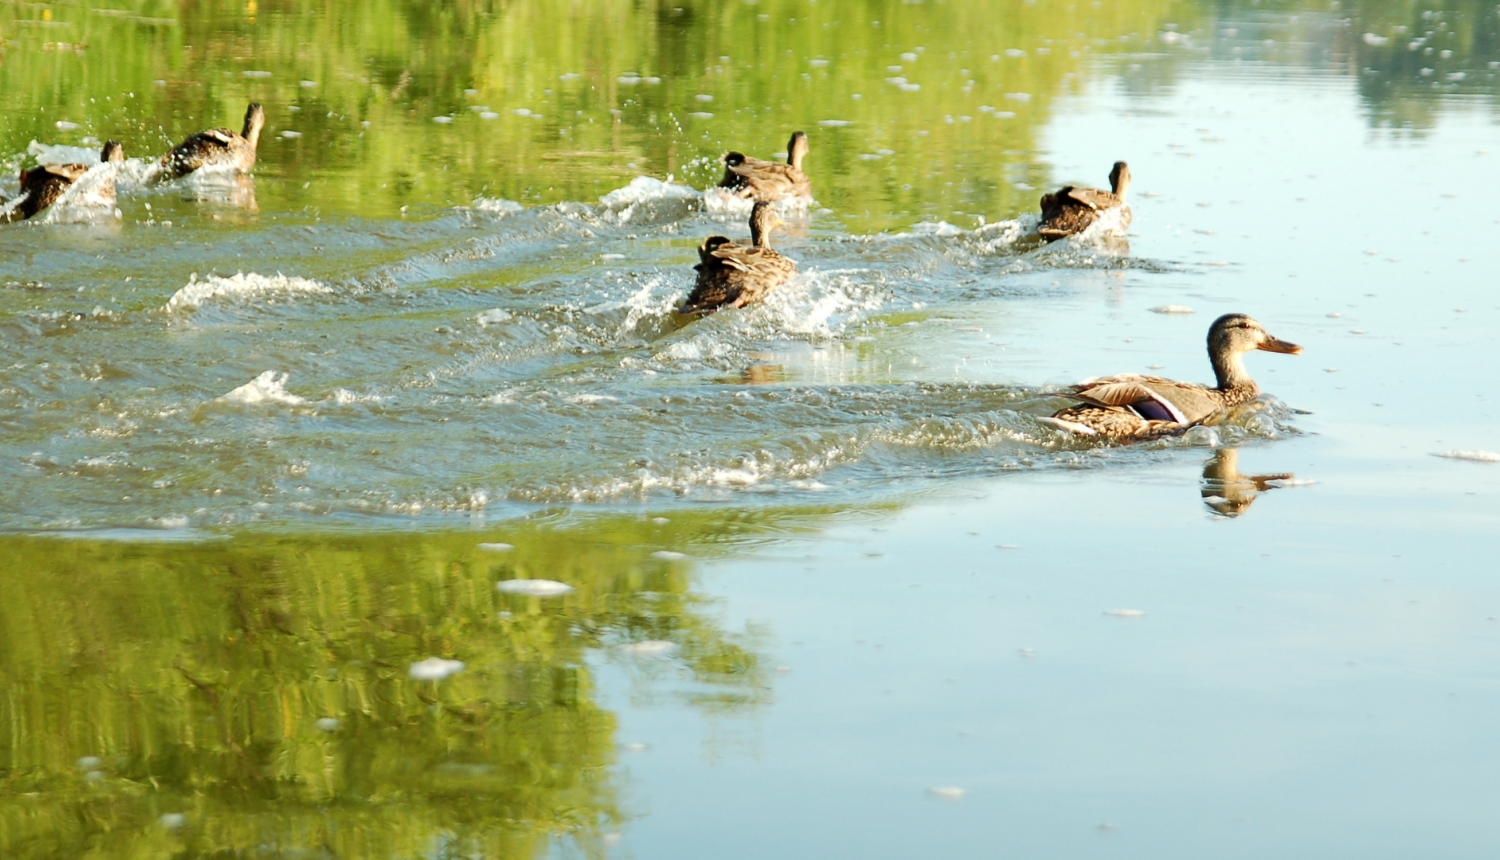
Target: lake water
269,444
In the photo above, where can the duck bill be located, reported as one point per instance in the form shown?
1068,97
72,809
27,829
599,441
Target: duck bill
1275,345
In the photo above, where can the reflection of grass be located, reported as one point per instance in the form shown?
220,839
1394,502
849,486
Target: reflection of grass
398,65
197,673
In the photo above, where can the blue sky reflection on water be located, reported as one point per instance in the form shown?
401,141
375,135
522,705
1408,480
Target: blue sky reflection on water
1314,679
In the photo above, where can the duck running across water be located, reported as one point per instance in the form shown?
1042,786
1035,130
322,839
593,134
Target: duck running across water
214,147
769,180
1071,209
44,185
732,275
1132,406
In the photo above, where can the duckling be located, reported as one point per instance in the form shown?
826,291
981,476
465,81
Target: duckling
1132,406
768,180
45,184
1071,209
731,275
215,146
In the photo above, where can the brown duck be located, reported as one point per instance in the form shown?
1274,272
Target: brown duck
768,180
1071,209
45,184
1132,406
215,146
731,275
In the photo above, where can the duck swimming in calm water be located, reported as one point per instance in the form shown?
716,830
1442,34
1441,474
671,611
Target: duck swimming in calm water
769,180
215,146
45,184
1133,406
1071,209
731,275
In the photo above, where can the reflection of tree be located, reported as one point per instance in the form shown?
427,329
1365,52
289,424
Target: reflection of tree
198,675
397,64
1403,54
1409,53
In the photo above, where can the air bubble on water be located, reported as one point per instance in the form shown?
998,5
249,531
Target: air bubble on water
496,547
947,792
1124,613
650,648
1171,309
533,587
669,555
435,669
327,724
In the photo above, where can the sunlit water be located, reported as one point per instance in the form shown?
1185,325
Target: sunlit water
834,589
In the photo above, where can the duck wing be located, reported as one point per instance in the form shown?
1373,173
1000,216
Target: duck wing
214,146
1093,198
1153,398
771,181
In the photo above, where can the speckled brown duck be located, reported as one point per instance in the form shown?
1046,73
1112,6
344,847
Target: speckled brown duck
1071,209
769,180
42,186
1133,406
215,147
732,275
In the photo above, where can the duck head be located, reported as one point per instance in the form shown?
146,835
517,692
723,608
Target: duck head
255,120
796,148
763,219
1233,335
112,152
733,159
1119,179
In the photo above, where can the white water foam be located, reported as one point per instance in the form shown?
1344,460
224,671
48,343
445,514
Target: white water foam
239,287
646,197
269,387
61,153
91,198
497,205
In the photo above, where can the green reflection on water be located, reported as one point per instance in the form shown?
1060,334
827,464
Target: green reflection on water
611,87
195,676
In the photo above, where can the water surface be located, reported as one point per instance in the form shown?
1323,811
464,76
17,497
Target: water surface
836,590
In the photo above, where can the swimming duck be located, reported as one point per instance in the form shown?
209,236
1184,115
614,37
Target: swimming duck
1132,406
1071,209
768,180
215,146
731,275
45,184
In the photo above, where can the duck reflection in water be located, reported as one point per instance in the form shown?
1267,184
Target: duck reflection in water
232,190
1228,493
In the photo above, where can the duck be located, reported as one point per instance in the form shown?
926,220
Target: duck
733,275
768,180
1133,406
215,146
43,185
1071,209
